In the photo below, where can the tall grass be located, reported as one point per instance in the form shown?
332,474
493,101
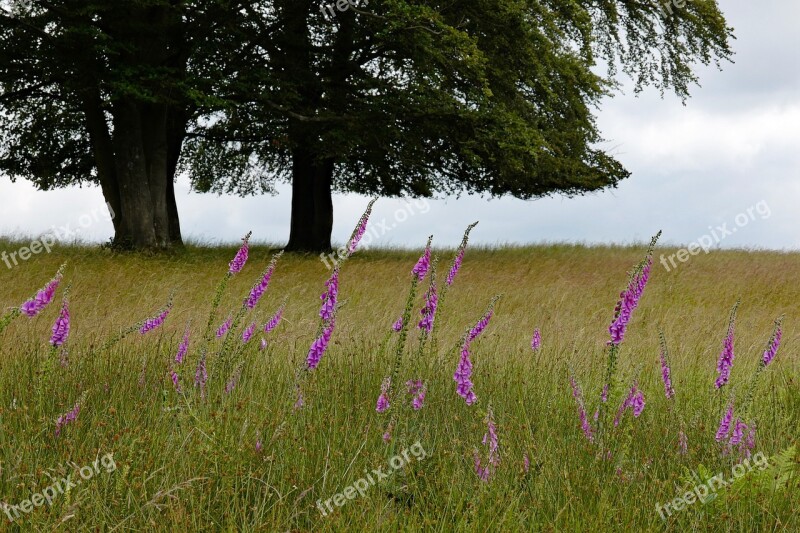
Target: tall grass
188,463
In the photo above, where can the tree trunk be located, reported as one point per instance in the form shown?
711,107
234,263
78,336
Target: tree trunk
148,216
312,204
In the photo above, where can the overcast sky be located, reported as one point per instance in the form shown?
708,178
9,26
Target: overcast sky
730,157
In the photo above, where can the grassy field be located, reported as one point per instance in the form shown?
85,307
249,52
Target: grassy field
249,461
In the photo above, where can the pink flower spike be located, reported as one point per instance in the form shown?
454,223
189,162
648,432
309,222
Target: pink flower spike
536,341
43,297
383,400
61,327
239,260
420,270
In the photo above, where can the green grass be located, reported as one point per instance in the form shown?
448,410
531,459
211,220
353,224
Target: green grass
186,464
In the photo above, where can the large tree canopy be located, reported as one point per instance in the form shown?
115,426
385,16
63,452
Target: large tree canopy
392,98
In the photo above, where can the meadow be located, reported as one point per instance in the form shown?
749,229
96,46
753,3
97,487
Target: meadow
240,453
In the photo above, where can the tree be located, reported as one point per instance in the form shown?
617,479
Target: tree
103,92
415,98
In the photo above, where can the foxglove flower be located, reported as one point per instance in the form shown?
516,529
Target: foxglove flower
750,441
586,427
629,300
67,418
61,327
634,401
260,288
480,326
259,446
459,258
463,376
361,228
383,400
725,362
223,329
274,321
234,380
669,391
330,296
300,402
429,310
725,424
175,380
43,296
683,443
263,344
239,260
774,344
424,263
536,341
739,427
156,321
455,268
247,334
183,347
398,325
201,376
490,440
417,389
319,346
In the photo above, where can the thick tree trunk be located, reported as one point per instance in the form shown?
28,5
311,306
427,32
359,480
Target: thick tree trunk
312,204
148,216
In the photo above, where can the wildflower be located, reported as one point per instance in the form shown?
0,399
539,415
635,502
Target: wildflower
175,380
260,288
774,343
480,326
300,402
319,346
259,446
683,442
490,440
604,394
526,463
383,399
750,441
274,321
586,427
429,310
154,322
634,401
43,296
725,424
417,389
223,329
398,325
361,228
201,375
236,265
234,380
536,341
263,344
247,334
330,296
629,300
665,370
424,263
67,418
463,376
455,268
183,347
61,327
737,435
727,355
